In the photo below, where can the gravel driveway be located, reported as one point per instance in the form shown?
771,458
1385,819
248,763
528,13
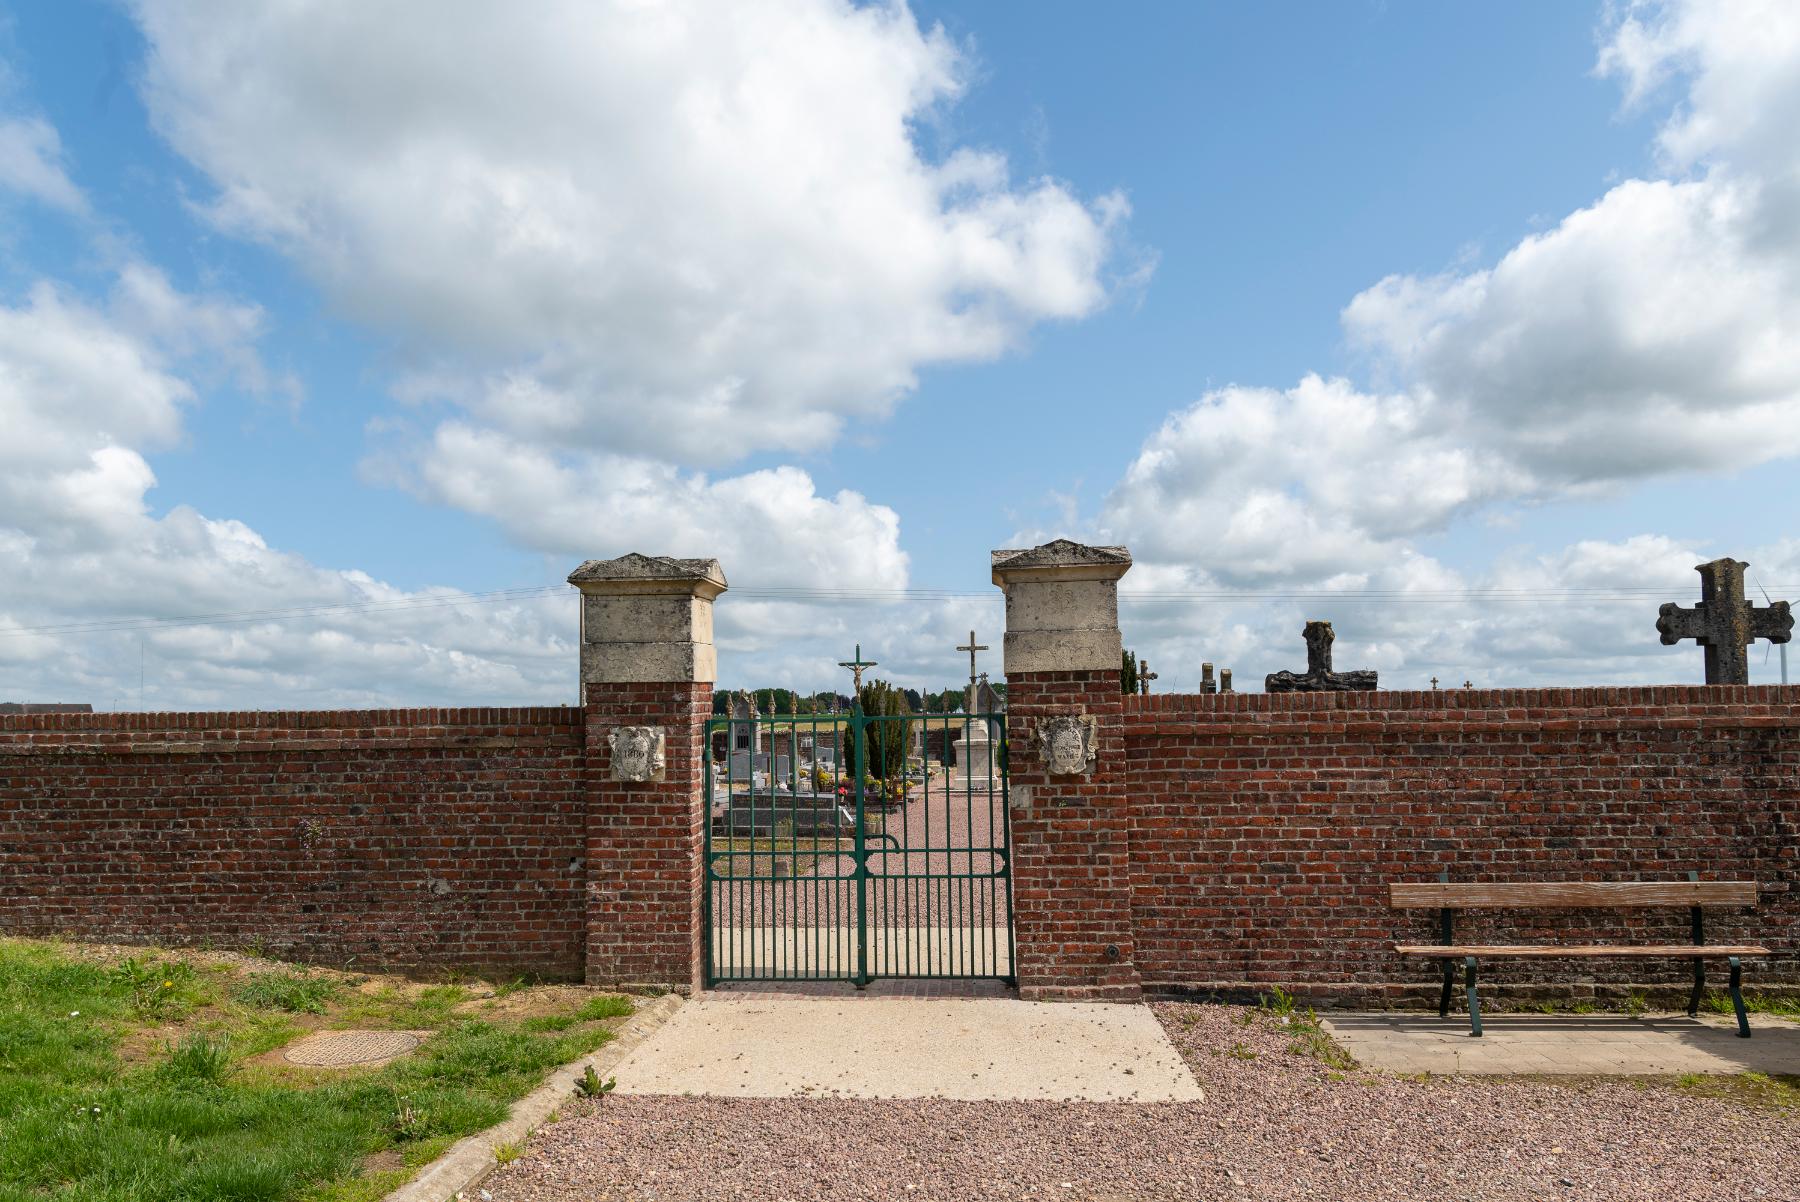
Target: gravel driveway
1275,1125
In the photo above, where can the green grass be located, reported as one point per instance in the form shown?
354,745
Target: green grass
1756,1003
193,1122
283,989
610,1005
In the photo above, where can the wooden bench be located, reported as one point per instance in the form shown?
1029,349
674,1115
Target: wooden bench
1447,898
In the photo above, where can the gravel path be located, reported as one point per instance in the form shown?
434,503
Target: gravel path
1275,1125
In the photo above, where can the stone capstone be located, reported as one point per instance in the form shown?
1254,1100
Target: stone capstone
1062,606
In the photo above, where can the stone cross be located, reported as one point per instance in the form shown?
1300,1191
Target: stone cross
856,667
971,647
1434,684
1145,676
1319,678
1724,623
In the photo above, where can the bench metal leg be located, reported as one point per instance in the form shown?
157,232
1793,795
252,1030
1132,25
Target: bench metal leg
1449,984
1699,987
1474,999
1737,998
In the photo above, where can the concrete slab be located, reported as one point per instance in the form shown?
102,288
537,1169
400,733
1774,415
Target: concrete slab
1567,1044
745,1045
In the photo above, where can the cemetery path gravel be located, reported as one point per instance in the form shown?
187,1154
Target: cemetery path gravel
1276,1124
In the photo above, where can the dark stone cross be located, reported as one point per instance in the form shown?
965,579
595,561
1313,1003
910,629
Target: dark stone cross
1145,676
1724,623
1319,678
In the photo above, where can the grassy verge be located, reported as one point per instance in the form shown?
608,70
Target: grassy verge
150,1078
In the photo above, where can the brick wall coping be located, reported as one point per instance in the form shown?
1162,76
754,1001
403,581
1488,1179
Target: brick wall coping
287,730
1770,699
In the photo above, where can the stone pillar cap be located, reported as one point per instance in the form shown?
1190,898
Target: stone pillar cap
635,573
1061,559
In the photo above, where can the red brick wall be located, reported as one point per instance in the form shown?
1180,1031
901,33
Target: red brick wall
1264,829
383,839
644,840
1071,866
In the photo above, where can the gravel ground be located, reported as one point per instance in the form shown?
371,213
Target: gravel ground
1275,1125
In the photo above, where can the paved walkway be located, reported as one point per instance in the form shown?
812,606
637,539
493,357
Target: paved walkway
765,1046
1584,1044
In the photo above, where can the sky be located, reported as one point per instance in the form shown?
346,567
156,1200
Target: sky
334,335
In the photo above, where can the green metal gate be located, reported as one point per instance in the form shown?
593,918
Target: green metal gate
843,847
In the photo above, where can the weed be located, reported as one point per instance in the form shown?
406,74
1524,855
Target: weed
197,1060
591,1086
1309,1037
508,1152
1240,1051
548,1022
160,989
283,989
1756,1003
508,988
609,1005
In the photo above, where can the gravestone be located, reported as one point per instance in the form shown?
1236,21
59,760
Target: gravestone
1318,677
1724,623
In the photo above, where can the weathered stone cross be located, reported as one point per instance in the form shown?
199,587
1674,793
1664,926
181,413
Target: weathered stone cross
1145,676
856,667
972,647
1319,678
1724,623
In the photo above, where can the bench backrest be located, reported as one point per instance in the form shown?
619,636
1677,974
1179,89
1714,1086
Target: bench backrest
1569,895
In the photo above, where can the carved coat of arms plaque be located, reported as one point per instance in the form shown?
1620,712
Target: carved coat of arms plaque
637,752
1067,743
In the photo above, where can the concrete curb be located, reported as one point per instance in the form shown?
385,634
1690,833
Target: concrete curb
472,1158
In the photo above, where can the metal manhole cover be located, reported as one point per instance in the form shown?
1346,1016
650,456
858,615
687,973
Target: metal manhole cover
331,1049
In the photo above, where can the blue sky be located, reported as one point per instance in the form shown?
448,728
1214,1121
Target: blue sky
1314,306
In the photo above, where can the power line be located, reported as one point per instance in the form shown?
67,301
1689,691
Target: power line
1389,596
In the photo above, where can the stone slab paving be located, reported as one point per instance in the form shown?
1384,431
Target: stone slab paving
1579,1044
751,1045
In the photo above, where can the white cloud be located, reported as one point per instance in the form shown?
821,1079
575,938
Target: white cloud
1652,334
682,231
85,393
778,530
31,164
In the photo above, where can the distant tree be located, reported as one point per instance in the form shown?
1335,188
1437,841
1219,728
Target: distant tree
914,701
1128,676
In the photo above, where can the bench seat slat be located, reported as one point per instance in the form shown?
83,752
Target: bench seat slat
1569,895
1552,951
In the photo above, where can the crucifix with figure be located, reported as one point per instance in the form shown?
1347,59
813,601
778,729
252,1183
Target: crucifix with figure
971,647
856,667
1145,676
1724,623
